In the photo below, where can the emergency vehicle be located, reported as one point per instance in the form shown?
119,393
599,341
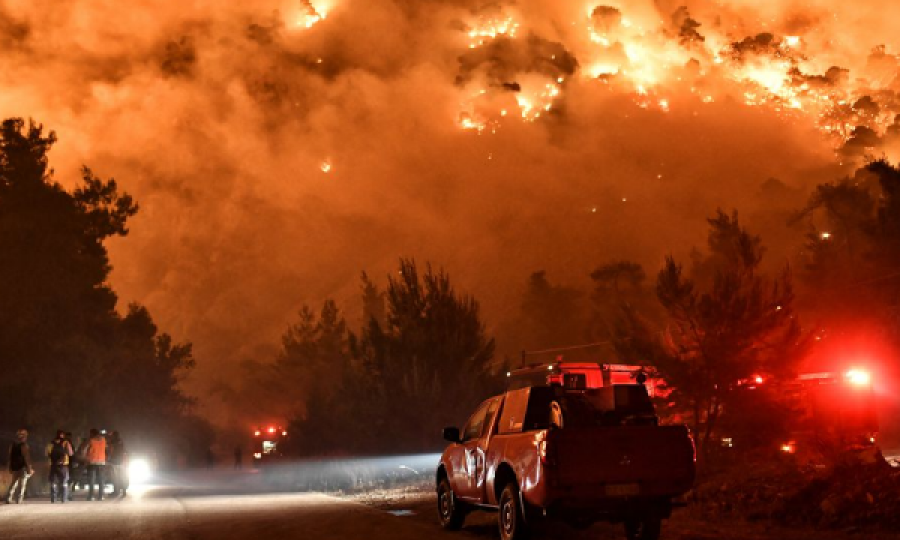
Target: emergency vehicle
834,410
268,444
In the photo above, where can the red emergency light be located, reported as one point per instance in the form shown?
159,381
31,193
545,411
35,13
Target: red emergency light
858,377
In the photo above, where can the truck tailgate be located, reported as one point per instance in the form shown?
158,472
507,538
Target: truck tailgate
621,461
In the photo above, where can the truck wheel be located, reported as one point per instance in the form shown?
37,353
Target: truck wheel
509,516
450,511
647,528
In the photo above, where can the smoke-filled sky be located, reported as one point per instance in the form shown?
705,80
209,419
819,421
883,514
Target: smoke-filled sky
279,149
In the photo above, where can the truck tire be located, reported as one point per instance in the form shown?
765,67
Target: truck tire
451,512
509,516
646,528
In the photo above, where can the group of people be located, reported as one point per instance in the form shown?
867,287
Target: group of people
90,462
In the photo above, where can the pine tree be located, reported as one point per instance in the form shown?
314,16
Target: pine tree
67,356
738,325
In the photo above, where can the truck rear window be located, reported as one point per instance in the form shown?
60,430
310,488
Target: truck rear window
528,409
611,405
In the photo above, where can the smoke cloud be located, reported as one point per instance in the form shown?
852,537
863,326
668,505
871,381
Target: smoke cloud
280,149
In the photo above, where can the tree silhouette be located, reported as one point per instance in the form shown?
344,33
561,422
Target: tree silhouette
66,356
740,325
429,362
551,315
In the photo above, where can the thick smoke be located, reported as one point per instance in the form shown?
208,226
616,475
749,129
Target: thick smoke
279,150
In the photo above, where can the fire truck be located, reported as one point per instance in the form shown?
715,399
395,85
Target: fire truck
834,411
268,444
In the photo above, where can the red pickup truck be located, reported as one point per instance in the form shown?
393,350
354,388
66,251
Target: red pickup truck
579,456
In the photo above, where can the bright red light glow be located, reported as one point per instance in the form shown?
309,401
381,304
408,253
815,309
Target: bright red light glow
789,447
858,377
256,433
271,430
758,379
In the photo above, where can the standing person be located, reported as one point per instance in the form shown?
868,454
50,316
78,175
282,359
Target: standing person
78,473
19,467
76,467
116,458
60,453
210,458
96,463
238,457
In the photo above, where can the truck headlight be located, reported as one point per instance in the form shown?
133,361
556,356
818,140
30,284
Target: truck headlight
139,471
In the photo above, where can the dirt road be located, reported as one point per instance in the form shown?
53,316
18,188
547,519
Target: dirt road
176,516
231,508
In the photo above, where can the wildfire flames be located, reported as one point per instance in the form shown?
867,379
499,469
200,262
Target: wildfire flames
310,14
653,57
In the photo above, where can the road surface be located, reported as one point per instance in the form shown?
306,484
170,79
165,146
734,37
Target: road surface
227,507
174,516
207,505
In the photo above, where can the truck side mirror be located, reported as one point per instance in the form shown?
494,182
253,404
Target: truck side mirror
451,434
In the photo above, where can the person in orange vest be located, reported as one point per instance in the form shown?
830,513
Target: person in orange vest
96,463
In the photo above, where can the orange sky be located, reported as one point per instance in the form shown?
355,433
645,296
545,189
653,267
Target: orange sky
278,151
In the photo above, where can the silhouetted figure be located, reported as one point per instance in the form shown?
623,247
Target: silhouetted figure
210,459
96,463
78,464
19,467
238,458
60,452
116,458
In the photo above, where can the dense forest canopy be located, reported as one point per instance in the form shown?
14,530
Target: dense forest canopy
68,358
